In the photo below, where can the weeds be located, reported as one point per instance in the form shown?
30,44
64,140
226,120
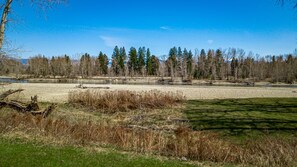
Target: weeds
113,101
193,145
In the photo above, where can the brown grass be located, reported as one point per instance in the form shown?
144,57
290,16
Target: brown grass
193,145
113,101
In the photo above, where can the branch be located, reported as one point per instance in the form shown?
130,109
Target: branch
9,92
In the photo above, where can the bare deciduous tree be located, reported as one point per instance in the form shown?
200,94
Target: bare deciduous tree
41,4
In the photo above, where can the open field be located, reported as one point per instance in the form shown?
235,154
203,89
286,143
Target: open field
58,93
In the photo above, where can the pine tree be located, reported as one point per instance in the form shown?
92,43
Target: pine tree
121,60
68,66
115,61
155,65
190,64
102,64
179,63
234,66
219,61
141,60
149,65
172,62
208,64
184,63
132,65
201,64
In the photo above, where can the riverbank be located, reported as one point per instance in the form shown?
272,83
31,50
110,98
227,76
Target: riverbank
58,93
143,81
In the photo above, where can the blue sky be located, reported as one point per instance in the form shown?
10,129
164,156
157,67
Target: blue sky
91,26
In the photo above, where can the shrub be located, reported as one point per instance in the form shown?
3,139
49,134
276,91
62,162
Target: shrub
112,101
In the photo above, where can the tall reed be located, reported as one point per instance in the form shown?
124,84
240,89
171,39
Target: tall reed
113,101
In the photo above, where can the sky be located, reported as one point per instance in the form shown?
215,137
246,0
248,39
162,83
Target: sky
91,26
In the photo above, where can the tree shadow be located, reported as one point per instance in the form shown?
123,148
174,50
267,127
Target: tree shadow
233,117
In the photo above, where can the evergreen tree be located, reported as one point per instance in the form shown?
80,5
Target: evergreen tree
201,64
219,63
122,59
102,61
179,62
184,63
155,65
172,62
149,66
132,65
234,66
115,61
141,60
208,64
68,66
190,64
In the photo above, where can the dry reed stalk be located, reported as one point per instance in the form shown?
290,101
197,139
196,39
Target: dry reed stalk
113,101
184,142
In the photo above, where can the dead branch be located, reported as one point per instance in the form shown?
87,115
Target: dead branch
45,112
9,92
32,107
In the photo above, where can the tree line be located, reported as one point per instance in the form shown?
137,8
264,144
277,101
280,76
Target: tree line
228,64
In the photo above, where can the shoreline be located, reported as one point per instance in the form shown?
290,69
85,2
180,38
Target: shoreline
146,81
58,93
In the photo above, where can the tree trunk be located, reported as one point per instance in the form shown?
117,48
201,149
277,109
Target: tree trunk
4,21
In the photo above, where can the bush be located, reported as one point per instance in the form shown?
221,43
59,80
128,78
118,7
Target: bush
113,101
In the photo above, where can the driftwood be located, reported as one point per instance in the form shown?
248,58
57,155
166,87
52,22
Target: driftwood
9,92
32,107
249,83
81,86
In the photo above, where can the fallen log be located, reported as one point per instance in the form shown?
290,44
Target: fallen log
80,86
32,107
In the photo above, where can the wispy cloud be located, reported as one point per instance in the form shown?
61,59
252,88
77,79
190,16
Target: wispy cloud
210,41
165,28
112,41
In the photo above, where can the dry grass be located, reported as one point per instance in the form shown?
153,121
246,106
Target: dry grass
113,101
193,145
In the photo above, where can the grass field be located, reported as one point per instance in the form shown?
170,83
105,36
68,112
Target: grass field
245,117
21,153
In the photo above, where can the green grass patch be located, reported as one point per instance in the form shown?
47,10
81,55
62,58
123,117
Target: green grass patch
245,117
20,153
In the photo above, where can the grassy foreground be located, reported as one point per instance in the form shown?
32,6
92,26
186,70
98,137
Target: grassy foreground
245,117
19,153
